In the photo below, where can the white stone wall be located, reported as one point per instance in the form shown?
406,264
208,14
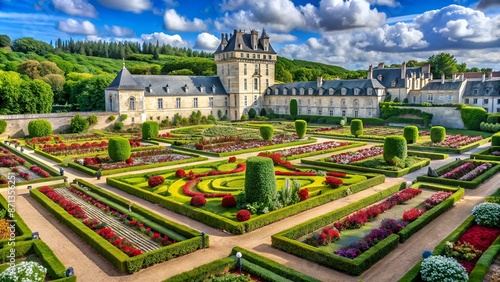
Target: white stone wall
449,117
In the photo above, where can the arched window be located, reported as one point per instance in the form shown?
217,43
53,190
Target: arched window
310,91
343,91
330,91
276,91
301,91
285,91
132,104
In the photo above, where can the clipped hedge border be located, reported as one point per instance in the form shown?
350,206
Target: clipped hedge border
485,154
460,183
363,138
22,229
48,156
450,150
201,273
233,226
116,257
252,150
429,155
353,145
390,173
286,240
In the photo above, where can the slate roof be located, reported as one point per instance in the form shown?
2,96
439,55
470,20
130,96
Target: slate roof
245,39
394,74
447,85
489,88
157,84
350,85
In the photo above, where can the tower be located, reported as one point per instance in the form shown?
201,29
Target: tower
245,65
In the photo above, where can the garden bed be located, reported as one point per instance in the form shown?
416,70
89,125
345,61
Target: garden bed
489,154
315,149
463,173
128,236
290,240
456,143
253,264
217,179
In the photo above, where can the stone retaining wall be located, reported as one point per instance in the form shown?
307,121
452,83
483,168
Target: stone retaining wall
448,117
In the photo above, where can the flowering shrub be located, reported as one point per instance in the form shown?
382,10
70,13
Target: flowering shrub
180,173
243,215
129,161
467,171
229,201
277,160
412,214
461,251
121,243
156,180
198,201
333,182
39,171
441,268
487,214
304,194
325,237
436,199
24,271
232,159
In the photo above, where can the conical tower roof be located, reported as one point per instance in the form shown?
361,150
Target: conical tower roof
124,81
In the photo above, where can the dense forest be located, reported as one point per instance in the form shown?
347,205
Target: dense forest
34,75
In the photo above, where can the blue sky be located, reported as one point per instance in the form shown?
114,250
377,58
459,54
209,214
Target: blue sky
349,33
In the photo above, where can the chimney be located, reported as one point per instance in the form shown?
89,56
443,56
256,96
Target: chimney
254,39
380,65
490,75
483,78
264,40
319,82
442,78
454,77
431,76
186,88
150,88
403,70
370,72
462,76
223,41
167,88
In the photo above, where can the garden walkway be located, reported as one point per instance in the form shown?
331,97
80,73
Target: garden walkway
90,266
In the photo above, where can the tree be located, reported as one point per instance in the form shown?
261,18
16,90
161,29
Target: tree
182,72
443,63
79,124
48,67
36,97
10,90
30,68
28,44
89,93
56,82
4,40
293,108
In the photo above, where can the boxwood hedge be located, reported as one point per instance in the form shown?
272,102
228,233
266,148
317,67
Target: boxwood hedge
300,128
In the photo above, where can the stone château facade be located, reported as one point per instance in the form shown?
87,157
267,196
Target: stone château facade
245,79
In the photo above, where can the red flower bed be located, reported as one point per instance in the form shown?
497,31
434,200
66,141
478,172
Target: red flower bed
277,160
333,182
72,208
129,161
412,214
336,174
295,173
229,201
481,238
39,171
436,199
198,201
349,157
311,148
304,194
156,180
243,215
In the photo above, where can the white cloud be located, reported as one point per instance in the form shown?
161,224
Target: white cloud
486,4
120,31
207,41
175,22
76,8
173,40
76,27
390,3
340,14
136,6
280,37
172,3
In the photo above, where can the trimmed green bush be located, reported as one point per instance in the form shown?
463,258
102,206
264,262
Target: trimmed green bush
438,134
473,116
260,182
300,127
118,149
495,139
92,119
263,112
266,132
39,128
3,126
356,127
123,117
252,113
394,149
150,129
411,134
493,118
294,108
244,117
111,118
79,124
118,126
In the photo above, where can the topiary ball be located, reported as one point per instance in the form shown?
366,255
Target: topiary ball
266,132
487,214
438,134
495,139
119,149
198,201
150,129
39,128
410,133
441,268
356,127
300,128
426,254
395,149
229,201
156,180
243,215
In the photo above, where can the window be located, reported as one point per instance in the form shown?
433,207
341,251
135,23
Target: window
320,102
474,101
393,83
430,98
294,91
414,99
310,91
320,112
450,98
177,103
441,97
277,110
133,120
245,84
241,54
343,91
248,56
160,103
343,103
258,56
276,91
268,91
369,91
498,101
253,56
356,91
356,114
202,89
211,102
285,91
343,113
356,103
255,100
485,101
245,101
299,102
225,101
420,99
369,113
257,69
308,111
229,85
301,91
267,68
331,113
245,69
228,72
300,111
487,91
320,91
475,91
267,82
330,91
132,103
195,102
331,103
370,103
467,101
255,84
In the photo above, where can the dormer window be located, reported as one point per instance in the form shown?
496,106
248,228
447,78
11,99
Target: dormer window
241,47
330,91
393,83
343,91
276,91
356,91
320,91
301,91
369,91
167,88
487,91
202,89
268,91
285,91
379,77
310,91
213,88
475,91
294,91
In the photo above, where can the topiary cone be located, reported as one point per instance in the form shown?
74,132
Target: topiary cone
260,182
